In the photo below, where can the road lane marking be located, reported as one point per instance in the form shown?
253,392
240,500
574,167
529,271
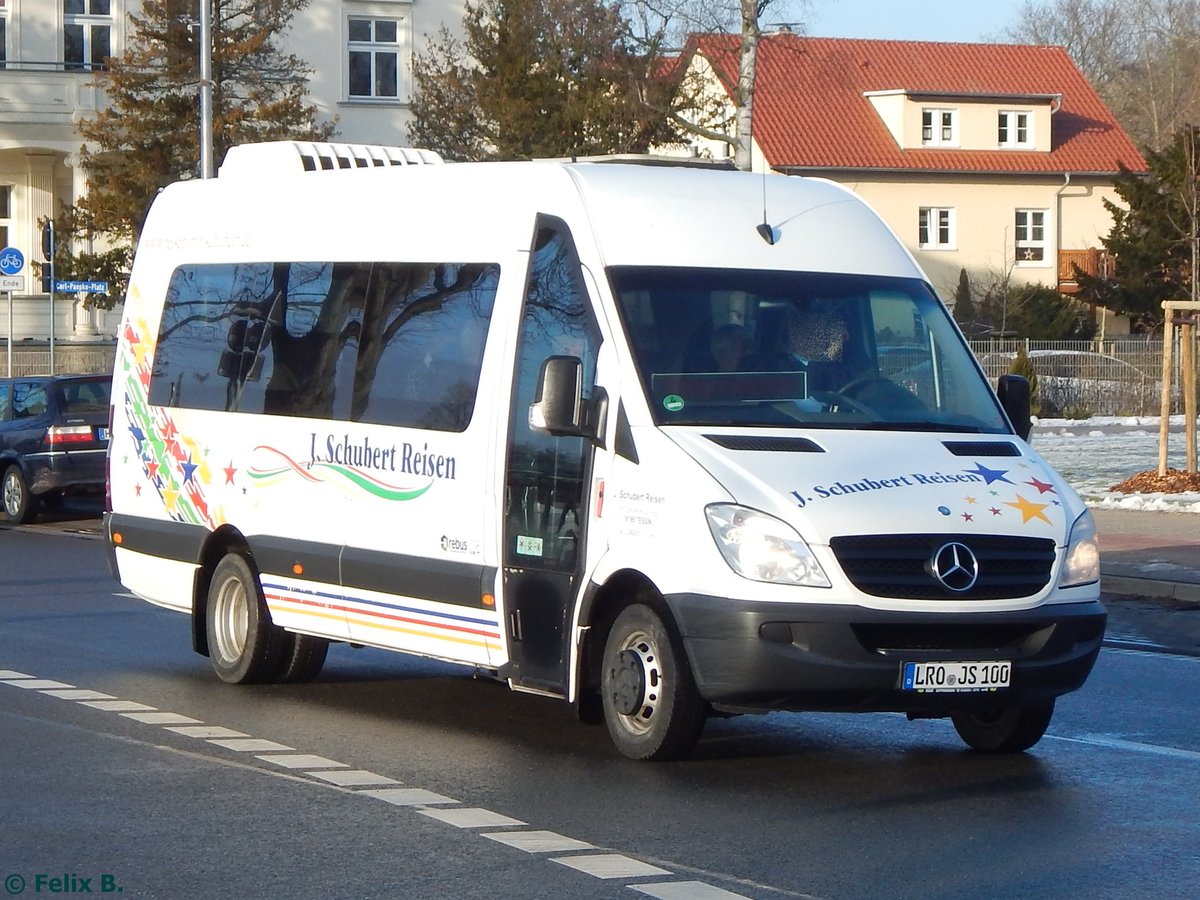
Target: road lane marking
160,718
117,706
428,803
1100,740
302,761
249,745
538,841
684,890
470,817
79,694
409,797
609,865
352,777
207,731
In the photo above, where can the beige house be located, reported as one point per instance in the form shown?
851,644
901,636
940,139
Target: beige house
995,158
51,52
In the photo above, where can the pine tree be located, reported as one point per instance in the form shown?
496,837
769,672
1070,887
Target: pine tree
148,134
964,306
1154,235
532,78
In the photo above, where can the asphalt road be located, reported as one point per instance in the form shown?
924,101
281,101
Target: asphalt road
395,777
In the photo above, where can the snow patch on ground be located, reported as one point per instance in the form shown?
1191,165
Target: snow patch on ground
1095,454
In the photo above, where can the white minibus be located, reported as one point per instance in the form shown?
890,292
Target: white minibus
661,441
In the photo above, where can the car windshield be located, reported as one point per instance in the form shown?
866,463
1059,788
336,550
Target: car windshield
783,349
91,395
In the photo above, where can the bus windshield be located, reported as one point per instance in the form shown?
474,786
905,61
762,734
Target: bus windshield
785,349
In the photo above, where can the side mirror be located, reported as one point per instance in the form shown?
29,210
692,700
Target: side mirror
557,406
1013,391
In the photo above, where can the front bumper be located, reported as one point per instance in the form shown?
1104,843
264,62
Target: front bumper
849,658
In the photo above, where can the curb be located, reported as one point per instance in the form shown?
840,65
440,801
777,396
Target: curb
1131,586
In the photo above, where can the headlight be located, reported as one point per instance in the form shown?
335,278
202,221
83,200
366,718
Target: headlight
763,548
1083,554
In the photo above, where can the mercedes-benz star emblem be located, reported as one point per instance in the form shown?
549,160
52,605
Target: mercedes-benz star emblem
955,566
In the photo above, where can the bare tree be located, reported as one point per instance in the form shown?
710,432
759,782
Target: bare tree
1142,56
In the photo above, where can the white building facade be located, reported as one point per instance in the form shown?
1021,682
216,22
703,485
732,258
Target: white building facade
53,51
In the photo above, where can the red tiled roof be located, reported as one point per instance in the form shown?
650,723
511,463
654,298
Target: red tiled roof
810,110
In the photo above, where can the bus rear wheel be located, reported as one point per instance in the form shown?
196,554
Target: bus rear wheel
244,646
651,706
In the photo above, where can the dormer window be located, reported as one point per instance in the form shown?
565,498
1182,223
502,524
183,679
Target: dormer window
1015,128
939,127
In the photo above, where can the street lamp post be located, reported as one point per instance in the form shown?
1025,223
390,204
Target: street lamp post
206,112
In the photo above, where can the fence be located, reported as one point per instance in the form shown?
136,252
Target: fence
1117,377
1076,379
33,358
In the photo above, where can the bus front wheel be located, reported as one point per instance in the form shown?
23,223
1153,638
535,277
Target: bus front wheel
651,706
244,646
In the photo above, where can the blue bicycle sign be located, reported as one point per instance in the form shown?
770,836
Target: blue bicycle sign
11,261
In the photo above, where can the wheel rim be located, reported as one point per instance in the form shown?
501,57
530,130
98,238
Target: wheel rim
231,620
636,682
12,494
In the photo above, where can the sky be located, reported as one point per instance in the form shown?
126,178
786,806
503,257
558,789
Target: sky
911,20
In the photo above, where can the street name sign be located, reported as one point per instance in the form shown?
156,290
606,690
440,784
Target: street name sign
75,287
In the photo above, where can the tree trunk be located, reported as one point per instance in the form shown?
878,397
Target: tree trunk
745,89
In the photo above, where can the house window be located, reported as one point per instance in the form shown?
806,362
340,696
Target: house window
1014,129
935,228
939,127
87,33
3,33
1031,236
373,52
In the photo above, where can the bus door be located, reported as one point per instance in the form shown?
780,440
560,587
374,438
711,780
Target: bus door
546,478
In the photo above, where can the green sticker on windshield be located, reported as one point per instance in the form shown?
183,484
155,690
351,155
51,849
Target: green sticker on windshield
672,403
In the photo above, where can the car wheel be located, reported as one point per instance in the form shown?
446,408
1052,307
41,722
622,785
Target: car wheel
244,646
19,504
651,706
302,659
1011,730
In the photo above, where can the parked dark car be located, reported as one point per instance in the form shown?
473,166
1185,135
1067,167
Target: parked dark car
53,439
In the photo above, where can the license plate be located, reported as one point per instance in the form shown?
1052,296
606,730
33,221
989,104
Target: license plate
102,434
956,676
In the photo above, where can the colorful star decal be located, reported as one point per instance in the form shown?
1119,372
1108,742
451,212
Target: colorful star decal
1041,486
994,511
1030,510
229,472
967,517
989,475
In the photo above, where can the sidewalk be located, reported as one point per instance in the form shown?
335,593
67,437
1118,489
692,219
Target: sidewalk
1150,576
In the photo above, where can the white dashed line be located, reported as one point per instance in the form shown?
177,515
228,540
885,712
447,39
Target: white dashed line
685,890
302,761
117,705
207,731
250,745
470,817
1100,740
409,797
352,777
539,841
79,694
610,865
427,803
160,718
41,684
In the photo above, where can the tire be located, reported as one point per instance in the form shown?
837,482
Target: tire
19,504
302,658
244,646
1011,730
651,706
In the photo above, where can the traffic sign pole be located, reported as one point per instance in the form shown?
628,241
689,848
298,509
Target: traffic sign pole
11,263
